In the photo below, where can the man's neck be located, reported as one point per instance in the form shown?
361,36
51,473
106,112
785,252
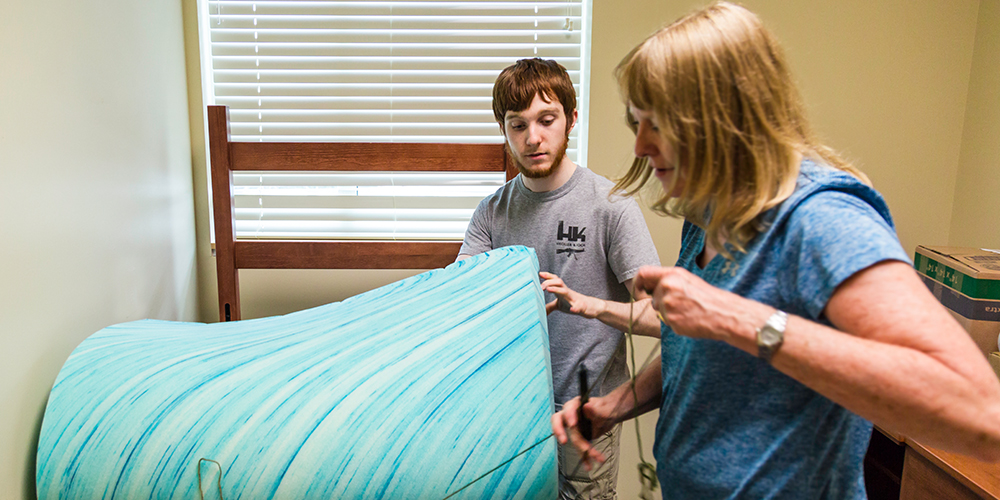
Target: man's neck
559,176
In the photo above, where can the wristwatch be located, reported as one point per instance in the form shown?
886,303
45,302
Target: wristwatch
771,335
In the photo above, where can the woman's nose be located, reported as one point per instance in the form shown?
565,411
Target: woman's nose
643,145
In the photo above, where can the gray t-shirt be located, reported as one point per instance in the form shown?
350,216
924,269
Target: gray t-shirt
590,241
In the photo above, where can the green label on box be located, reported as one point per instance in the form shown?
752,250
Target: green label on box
967,285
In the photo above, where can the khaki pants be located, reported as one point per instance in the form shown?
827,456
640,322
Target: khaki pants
577,483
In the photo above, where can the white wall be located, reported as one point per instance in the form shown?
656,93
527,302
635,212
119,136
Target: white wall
96,213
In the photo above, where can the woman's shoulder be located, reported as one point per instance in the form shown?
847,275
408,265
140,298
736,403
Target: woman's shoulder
815,174
838,213
822,189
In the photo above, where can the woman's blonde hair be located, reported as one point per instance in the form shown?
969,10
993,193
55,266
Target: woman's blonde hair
718,87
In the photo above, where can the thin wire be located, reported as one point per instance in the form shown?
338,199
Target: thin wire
647,473
600,378
505,462
219,478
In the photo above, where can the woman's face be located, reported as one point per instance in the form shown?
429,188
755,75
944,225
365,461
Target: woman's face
660,155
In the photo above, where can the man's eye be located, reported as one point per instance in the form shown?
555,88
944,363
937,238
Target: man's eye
547,122
517,127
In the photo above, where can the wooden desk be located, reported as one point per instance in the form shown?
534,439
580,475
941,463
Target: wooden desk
929,473
884,465
900,468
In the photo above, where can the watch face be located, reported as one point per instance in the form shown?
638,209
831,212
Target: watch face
769,336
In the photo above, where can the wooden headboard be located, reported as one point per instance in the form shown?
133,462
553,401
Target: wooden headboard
231,254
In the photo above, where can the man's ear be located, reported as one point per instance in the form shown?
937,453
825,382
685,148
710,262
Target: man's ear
572,123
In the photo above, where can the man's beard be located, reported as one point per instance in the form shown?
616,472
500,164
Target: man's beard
539,174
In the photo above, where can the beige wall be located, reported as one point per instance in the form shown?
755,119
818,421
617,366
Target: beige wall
885,83
95,197
975,220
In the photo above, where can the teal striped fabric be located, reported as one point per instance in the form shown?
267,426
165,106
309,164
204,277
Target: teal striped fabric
412,390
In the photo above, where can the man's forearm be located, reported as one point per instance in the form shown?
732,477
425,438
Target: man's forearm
624,404
644,320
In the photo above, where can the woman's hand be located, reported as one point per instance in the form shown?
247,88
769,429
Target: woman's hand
693,308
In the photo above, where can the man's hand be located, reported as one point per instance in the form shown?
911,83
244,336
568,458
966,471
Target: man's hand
569,301
564,426
625,402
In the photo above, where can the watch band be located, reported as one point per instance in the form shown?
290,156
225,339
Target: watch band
771,335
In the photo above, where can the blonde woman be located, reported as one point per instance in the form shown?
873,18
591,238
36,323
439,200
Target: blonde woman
793,319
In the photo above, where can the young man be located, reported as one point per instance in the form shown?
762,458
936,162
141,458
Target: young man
595,242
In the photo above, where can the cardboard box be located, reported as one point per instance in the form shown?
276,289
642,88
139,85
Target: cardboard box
995,362
967,282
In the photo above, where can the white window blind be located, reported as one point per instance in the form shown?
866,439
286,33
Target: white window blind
374,71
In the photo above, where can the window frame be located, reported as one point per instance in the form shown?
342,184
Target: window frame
233,254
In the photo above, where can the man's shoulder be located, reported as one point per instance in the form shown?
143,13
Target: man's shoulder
501,195
600,190
595,179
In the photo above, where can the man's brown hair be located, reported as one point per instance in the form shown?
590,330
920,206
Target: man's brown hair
518,84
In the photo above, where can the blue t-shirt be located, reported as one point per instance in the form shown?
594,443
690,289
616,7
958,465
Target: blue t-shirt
732,426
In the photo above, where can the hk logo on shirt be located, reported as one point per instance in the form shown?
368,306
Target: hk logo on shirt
574,234
570,240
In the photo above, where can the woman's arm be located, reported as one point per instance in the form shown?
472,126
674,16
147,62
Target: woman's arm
896,357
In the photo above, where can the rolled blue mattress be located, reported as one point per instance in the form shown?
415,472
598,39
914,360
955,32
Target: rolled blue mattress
413,390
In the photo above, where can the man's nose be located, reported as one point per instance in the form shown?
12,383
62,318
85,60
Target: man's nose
534,135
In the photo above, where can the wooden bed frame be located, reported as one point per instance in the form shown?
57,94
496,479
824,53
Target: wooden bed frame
232,255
